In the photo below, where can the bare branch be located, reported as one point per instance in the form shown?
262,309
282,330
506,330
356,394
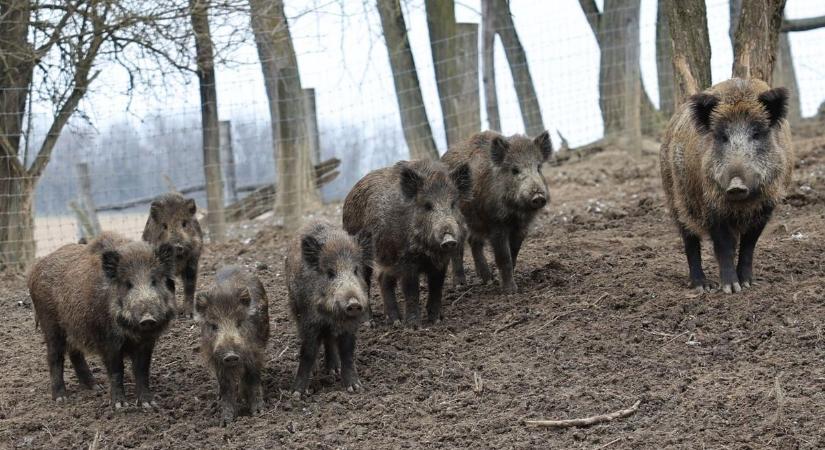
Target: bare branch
594,17
810,23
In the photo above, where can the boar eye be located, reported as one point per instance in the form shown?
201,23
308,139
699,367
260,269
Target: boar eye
538,167
164,226
756,134
184,223
213,327
355,271
240,323
331,274
515,170
154,283
129,285
428,206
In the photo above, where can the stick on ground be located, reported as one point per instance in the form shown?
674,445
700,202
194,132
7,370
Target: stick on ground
588,421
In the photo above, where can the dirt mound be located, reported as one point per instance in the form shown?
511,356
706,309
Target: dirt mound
603,319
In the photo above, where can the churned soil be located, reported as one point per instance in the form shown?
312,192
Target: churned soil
603,318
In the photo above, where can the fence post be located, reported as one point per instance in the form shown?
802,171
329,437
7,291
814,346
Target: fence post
230,184
85,207
469,101
311,119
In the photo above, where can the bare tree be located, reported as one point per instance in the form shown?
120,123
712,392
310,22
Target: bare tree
620,87
517,59
444,45
414,119
215,219
688,24
664,57
488,40
756,39
296,185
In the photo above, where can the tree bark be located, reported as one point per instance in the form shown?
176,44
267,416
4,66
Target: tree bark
664,57
756,39
444,46
215,219
414,119
469,95
488,42
690,46
296,189
517,59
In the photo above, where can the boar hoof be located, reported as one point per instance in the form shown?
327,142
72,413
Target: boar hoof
396,323
746,284
60,398
149,405
731,288
119,405
701,287
354,387
509,288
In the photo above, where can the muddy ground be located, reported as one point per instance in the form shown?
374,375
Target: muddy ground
603,319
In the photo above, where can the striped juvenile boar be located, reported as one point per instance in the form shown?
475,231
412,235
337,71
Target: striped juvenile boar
509,189
726,160
234,318
172,221
113,297
327,299
410,211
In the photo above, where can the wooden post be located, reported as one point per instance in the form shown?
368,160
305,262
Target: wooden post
312,125
230,194
86,204
469,101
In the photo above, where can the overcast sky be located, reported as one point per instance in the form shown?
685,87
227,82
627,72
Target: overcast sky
341,54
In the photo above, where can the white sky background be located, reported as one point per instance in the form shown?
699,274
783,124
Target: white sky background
341,53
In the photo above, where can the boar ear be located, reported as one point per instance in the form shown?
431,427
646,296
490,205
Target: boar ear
201,302
462,179
544,144
410,182
245,297
165,253
154,210
110,262
191,206
311,250
498,149
701,107
775,102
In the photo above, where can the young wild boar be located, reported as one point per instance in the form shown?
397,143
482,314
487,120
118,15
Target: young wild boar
410,213
726,160
172,221
113,297
234,317
328,300
508,191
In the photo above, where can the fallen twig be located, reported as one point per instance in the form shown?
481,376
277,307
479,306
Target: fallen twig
461,296
586,422
478,384
520,320
610,443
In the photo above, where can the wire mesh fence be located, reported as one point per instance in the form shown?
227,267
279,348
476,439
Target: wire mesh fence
361,95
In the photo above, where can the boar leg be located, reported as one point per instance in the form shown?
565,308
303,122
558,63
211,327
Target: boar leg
81,369
190,279
56,354
435,286
388,283
517,236
253,390
504,261
409,286
693,250
114,368
724,246
744,269
227,384
482,269
459,277
331,358
307,357
349,374
141,360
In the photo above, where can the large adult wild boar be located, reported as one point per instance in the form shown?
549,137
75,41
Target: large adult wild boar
726,161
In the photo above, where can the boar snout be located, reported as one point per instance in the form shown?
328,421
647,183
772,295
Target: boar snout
147,322
538,200
737,190
448,242
354,307
231,359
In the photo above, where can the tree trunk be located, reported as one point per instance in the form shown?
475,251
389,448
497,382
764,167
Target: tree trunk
488,42
296,189
469,95
756,39
17,245
216,222
517,58
664,66
618,62
414,119
444,46
690,46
